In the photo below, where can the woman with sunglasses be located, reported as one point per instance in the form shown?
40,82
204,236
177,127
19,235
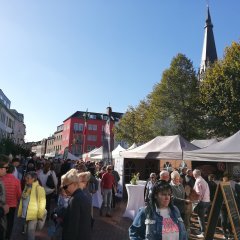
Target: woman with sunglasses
32,204
160,219
77,219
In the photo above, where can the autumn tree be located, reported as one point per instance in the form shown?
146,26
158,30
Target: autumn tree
220,94
175,100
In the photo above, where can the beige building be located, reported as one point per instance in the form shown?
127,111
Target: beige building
58,139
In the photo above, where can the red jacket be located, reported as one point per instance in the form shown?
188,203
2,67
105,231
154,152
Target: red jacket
12,188
107,181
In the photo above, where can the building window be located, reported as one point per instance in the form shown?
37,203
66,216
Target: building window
92,127
90,148
92,116
78,127
92,138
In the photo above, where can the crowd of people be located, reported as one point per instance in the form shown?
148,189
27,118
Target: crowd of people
37,190
171,200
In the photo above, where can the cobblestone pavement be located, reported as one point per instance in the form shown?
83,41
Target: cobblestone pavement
115,228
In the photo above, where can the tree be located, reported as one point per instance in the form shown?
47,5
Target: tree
7,146
220,94
126,128
134,127
174,101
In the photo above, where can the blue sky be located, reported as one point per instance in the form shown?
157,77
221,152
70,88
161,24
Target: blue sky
57,57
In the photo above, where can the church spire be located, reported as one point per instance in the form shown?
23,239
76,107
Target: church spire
209,52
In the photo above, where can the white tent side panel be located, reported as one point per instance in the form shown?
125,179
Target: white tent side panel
212,157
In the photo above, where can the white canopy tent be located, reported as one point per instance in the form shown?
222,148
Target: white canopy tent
69,156
161,147
94,153
132,147
117,151
49,155
228,150
204,143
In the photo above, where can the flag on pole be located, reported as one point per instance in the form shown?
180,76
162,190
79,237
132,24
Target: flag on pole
85,122
107,154
85,115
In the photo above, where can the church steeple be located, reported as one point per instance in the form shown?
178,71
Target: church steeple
209,52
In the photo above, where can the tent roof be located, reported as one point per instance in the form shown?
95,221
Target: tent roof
228,150
117,150
161,147
94,152
204,143
132,147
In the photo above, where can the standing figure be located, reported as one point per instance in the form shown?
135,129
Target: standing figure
44,176
160,219
32,204
149,187
77,219
106,189
114,189
202,189
178,193
13,192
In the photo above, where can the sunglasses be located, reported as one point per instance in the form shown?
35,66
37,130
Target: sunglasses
65,187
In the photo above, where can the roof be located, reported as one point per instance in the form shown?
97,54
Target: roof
209,52
204,143
115,116
227,150
161,147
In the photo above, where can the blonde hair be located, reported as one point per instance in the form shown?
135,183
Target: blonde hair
175,174
70,177
85,176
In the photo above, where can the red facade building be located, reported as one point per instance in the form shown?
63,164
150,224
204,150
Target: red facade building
78,138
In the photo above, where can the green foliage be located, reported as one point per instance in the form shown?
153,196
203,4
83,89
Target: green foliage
171,108
220,94
134,126
7,146
174,101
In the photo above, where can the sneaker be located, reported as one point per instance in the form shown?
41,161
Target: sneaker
200,235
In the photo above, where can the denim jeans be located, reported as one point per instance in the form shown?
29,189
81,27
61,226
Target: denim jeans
31,229
203,207
107,200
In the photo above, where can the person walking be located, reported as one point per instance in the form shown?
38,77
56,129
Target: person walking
77,219
160,219
202,189
32,204
149,186
106,189
3,211
13,192
114,188
48,179
178,196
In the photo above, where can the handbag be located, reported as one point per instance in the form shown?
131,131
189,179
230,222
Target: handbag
50,183
41,222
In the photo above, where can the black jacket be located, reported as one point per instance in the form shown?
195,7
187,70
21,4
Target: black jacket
77,221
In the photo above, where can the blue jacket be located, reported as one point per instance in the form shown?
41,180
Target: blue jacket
150,228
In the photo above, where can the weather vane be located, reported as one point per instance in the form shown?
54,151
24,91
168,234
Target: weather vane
207,1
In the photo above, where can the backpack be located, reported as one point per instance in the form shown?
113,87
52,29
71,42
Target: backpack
50,183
